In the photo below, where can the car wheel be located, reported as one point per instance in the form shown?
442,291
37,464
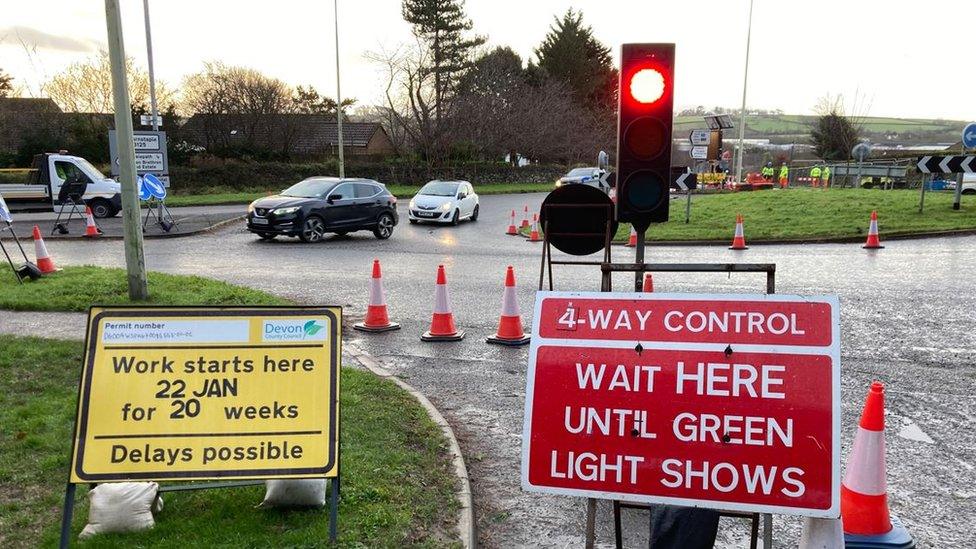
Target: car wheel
101,208
384,227
267,236
969,191
313,229
456,218
474,214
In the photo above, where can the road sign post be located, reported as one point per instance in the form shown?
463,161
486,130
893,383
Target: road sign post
745,392
207,393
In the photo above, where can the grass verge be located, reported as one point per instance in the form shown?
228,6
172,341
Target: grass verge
398,484
809,214
77,288
227,196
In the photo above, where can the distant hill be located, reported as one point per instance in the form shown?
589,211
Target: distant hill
785,128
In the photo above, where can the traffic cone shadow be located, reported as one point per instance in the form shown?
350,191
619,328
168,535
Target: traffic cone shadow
510,330
864,493
873,241
43,258
442,327
377,318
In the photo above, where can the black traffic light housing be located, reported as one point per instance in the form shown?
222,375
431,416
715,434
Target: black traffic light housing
644,124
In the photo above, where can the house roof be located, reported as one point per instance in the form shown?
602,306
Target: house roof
28,104
311,131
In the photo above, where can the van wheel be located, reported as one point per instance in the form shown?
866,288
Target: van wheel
101,208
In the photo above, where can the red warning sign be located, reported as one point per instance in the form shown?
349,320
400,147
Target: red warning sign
720,401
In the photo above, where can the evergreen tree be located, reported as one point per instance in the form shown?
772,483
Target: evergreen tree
444,28
572,54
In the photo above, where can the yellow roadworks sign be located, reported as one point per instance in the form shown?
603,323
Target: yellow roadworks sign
207,393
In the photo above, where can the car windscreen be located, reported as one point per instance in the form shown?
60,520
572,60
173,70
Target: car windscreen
86,165
576,172
310,188
439,188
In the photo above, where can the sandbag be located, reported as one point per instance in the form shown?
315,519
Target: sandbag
294,493
122,507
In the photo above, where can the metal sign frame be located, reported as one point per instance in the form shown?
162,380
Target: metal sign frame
332,469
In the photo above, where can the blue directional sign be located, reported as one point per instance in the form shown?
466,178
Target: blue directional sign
5,211
154,185
969,136
144,193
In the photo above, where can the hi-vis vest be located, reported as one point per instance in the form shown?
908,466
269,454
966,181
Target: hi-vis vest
826,174
767,170
784,171
815,172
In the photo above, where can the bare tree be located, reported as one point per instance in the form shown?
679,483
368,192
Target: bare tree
87,86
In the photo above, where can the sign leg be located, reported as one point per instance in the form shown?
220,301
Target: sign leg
767,531
590,523
334,510
69,506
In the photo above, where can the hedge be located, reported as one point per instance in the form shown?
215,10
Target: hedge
241,176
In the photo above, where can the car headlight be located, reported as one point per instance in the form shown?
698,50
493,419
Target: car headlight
559,183
446,206
286,211
413,205
250,207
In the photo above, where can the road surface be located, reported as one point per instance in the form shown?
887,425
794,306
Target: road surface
907,312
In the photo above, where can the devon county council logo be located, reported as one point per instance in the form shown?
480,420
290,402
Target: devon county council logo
293,330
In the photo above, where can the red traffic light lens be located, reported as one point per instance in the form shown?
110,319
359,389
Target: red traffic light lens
647,86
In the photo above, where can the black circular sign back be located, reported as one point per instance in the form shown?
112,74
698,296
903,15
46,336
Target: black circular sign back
575,217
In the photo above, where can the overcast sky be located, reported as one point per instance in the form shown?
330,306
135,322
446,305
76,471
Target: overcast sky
890,55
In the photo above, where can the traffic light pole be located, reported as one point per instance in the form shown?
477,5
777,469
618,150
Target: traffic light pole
639,260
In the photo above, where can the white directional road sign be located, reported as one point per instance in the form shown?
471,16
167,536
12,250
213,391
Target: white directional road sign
969,136
699,153
700,137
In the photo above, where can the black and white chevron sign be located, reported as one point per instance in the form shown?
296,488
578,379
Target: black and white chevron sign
686,181
947,164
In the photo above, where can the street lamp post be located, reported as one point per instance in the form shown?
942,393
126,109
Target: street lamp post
342,167
154,111
742,113
135,260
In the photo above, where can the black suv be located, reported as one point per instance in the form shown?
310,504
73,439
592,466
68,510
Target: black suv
318,205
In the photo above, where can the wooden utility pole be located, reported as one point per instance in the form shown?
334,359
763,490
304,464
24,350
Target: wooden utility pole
135,260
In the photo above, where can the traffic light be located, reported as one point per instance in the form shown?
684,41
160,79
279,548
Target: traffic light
644,116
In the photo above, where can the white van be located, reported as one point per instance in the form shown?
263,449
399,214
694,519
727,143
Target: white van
49,172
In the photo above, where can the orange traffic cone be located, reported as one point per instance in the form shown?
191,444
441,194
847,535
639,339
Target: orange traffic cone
632,241
44,261
863,494
873,242
442,326
534,235
648,283
91,229
377,318
739,241
525,218
510,326
511,225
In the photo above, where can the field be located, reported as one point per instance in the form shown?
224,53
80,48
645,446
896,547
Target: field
766,125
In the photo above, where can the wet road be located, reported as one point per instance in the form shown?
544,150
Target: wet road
907,314
189,219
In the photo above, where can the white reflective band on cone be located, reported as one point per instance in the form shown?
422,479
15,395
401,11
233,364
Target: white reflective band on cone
441,304
738,229
376,296
510,302
873,229
865,466
40,249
